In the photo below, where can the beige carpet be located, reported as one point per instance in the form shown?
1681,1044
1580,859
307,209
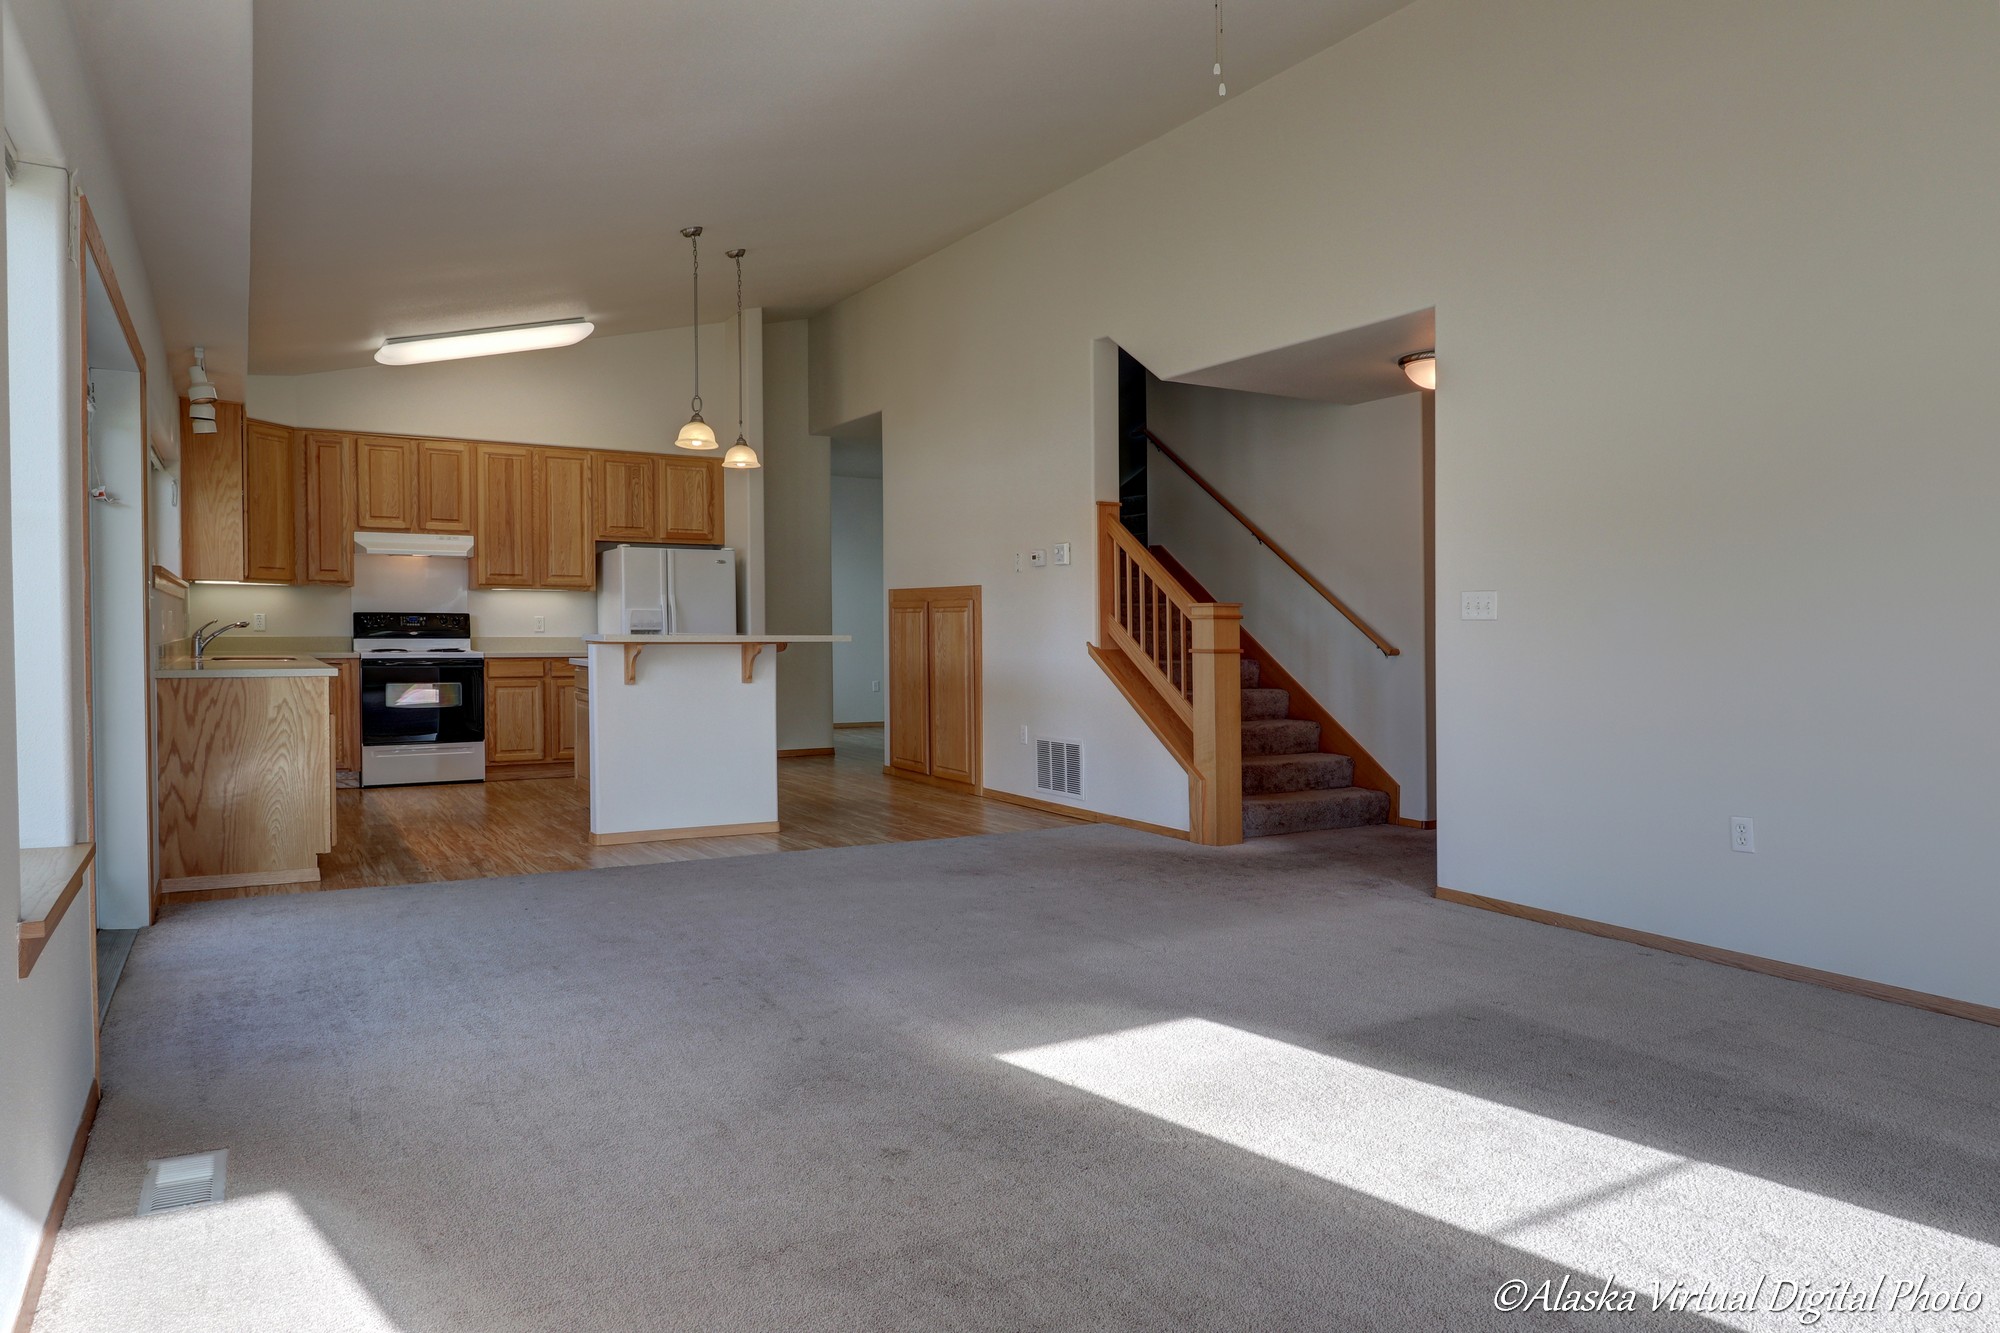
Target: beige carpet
1081,1079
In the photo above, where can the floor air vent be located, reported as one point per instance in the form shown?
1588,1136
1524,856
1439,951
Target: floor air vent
183,1182
1059,767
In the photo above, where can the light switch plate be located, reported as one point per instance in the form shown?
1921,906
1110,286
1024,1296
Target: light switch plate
1038,558
1479,606
1062,553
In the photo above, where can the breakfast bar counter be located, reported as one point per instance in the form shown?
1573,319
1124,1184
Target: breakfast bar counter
683,734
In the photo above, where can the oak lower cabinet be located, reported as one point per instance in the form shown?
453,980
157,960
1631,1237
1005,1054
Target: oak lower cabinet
347,715
934,683
530,715
580,721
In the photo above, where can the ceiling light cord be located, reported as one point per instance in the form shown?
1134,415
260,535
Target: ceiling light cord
737,255
694,242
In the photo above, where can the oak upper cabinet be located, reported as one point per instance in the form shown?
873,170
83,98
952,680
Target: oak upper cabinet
517,713
444,486
271,486
565,552
503,517
626,488
690,505
934,690
212,497
329,543
385,484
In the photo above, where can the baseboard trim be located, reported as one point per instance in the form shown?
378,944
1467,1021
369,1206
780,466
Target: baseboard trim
811,752
932,780
843,726
677,834
38,1272
246,879
1749,962
1078,812
565,768
1401,822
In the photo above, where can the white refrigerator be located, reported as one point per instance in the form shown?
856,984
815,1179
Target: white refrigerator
666,590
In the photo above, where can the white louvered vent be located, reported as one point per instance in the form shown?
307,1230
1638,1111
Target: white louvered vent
183,1182
1059,767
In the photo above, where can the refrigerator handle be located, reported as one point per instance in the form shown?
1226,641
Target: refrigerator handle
673,603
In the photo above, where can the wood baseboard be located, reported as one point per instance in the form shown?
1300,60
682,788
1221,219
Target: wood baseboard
676,834
843,726
38,1272
929,780
1401,822
1079,813
1749,962
811,752
512,772
247,879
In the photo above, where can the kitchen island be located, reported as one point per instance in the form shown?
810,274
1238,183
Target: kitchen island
245,770
683,734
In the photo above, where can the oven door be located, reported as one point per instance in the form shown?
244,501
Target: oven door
422,702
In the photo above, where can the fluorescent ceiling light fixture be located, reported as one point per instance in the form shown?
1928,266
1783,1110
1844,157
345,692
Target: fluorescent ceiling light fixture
1422,368
484,342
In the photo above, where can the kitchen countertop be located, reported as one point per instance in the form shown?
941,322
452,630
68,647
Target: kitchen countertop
717,638
333,650
253,666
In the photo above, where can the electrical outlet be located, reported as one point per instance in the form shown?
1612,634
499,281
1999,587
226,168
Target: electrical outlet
1479,606
1038,558
877,687
257,622
1742,835
1062,553
541,624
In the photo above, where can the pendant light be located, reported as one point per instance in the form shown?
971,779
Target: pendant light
697,434
740,453
1422,369
1221,88
201,396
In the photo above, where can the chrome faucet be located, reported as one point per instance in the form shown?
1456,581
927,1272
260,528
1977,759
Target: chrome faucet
202,638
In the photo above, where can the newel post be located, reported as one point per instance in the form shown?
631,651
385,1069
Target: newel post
1107,566
1217,816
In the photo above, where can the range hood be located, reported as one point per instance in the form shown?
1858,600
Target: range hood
413,543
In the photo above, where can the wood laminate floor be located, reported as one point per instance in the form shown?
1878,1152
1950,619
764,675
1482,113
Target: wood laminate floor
411,835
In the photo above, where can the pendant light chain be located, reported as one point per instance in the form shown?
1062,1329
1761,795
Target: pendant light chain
1221,88
694,242
737,255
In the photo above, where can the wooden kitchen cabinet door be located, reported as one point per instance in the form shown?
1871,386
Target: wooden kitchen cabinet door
934,683
347,715
954,687
503,551
516,719
212,497
385,484
565,552
329,543
561,695
690,507
271,481
625,494
444,486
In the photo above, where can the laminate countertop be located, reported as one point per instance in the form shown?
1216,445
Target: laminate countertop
241,666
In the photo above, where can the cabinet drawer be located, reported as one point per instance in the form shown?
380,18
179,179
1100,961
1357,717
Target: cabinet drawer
500,667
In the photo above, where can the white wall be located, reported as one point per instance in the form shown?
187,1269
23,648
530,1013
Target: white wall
628,392
859,600
1714,288
799,583
1342,489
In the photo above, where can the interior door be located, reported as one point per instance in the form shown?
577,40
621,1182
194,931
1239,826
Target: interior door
954,669
909,686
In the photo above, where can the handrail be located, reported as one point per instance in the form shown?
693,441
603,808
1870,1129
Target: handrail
1265,540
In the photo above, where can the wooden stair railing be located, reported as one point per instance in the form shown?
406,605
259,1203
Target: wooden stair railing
1176,659
1265,540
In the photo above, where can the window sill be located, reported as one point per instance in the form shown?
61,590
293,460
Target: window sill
50,880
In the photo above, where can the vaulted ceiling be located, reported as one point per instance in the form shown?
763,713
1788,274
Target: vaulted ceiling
415,168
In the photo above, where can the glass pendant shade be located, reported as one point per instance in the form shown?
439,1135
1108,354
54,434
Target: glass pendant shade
741,455
697,434
1422,369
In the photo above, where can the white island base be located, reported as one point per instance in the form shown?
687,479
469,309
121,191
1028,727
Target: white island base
684,734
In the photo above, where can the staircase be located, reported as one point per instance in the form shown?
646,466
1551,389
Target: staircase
1289,784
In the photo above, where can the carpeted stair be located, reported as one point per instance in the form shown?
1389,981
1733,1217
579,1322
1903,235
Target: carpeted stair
1289,784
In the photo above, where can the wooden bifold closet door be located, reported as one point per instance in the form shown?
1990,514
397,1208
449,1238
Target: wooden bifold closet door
934,683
